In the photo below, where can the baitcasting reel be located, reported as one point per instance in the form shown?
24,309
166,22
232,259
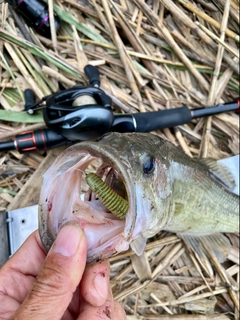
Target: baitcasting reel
79,113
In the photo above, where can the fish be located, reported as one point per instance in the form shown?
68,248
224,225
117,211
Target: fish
164,188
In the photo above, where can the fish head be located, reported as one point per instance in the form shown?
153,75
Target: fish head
134,167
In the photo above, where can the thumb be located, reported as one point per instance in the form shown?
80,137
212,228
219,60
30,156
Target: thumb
58,278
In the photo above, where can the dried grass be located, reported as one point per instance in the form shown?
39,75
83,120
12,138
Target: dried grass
151,56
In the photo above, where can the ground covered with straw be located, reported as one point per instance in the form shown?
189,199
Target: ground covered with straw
151,56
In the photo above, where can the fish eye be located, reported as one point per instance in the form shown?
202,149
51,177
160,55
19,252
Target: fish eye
148,164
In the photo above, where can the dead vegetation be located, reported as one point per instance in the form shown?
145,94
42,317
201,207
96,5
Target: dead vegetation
151,55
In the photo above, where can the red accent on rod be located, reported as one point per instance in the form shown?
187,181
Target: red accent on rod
238,101
43,140
32,138
34,141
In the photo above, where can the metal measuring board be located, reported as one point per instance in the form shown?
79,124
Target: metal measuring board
21,223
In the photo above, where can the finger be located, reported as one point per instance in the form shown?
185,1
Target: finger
22,268
95,283
58,278
119,313
93,287
7,306
110,310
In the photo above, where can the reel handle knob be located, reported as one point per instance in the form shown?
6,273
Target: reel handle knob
93,75
30,98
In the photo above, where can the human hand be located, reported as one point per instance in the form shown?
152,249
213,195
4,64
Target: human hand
54,286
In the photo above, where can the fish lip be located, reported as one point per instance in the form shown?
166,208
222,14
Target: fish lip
110,157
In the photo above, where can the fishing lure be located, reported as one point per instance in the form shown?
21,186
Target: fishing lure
109,198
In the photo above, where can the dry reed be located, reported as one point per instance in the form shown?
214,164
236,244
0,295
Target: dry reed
151,56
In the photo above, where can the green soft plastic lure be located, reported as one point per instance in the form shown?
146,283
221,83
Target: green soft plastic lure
109,198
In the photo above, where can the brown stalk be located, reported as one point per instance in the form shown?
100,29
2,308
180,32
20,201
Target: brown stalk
3,20
52,25
212,98
185,19
163,30
208,19
182,142
58,76
132,37
12,51
119,44
14,132
219,40
81,57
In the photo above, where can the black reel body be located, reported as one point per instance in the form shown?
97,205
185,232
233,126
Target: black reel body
68,116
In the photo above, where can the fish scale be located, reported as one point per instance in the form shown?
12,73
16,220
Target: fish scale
203,203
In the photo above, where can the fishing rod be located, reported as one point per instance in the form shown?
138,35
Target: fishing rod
35,14
85,113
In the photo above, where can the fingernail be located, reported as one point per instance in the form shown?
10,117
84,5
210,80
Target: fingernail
100,282
68,239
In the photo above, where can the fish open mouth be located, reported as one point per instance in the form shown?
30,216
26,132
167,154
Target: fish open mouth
106,191
93,188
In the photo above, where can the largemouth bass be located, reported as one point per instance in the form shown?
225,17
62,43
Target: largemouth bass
164,188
